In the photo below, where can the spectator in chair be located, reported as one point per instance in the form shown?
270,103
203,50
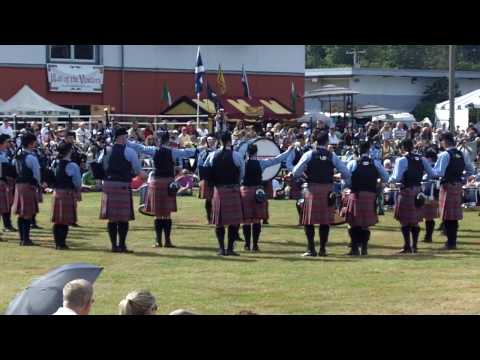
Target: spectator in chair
185,181
77,298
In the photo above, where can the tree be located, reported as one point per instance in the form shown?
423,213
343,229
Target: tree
433,94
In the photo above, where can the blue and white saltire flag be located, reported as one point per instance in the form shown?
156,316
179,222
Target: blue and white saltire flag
246,87
199,72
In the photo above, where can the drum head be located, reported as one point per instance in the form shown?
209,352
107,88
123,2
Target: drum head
268,149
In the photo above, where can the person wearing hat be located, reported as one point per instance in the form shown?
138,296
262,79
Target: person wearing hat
227,169
318,166
5,193
450,167
408,171
67,183
253,210
121,165
25,201
205,184
158,200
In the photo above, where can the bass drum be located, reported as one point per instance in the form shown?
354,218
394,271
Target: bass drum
267,149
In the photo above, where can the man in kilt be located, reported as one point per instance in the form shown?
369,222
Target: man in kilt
205,185
318,165
296,184
449,167
254,209
408,171
121,165
159,200
25,200
7,179
67,183
430,210
360,208
227,168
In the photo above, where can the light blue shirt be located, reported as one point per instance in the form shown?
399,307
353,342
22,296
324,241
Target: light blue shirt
237,160
3,157
73,170
443,161
352,166
401,165
150,150
31,161
300,168
290,159
131,156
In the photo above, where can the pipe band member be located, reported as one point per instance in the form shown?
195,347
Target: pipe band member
253,211
227,168
121,165
292,160
360,208
7,173
430,210
318,166
158,201
68,182
449,167
205,184
408,171
25,200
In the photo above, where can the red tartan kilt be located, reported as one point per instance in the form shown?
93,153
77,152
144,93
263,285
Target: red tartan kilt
253,212
450,202
205,190
430,211
315,207
405,211
295,190
226,206
11,190
25,201
64,210
360,209
4,198
269,189
117,203
158,201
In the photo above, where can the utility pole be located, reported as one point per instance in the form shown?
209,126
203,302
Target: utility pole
356,58
451,85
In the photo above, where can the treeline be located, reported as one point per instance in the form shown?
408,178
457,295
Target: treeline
393,56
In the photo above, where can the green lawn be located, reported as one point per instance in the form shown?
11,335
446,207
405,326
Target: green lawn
275,281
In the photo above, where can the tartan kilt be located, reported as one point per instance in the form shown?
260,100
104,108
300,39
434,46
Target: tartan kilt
158,201
450,202
315,207
360,209
25,201
295,190
11,190
117,203
430,211
64,210
226,206
4,198
253,212
405,211
205,190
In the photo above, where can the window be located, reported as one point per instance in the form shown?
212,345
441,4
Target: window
73,53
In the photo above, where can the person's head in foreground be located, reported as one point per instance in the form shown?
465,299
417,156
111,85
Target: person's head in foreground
77,298
139,302
181,312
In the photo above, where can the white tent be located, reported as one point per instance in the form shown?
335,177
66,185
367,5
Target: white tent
314,116
28,102
402,117
472,99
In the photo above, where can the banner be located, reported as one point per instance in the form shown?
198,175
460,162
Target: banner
75,78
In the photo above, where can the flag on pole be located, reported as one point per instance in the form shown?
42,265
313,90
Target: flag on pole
246,88
212,95
199,72
166,94
222,85
293,95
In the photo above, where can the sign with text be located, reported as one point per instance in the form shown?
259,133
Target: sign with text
75,78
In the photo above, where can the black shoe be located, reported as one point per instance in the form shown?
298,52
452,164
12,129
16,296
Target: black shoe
115,249
322,253
405,251
169,245
309,254
414,250
28,243
265,222
246,248
353,253
65,247
157,245
448,247
125,250
255,248
427,240
238,238
364,252
232,253
75,225
9,229
221,252
381,213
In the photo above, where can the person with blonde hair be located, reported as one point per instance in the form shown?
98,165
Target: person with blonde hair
140,302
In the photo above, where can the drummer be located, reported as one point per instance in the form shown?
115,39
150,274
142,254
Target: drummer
430,209
318,166
360,209
449,167
255,209
205,185
292,160
408,171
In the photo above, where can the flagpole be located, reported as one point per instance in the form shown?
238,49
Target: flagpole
198,110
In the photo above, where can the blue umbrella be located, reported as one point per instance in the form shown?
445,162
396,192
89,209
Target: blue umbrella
44,295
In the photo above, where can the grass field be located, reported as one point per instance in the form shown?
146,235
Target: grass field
275,281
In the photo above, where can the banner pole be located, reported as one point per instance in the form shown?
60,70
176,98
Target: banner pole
198,110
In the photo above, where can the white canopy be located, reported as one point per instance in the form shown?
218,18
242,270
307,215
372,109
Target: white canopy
314,116
28,102
462,102
402,117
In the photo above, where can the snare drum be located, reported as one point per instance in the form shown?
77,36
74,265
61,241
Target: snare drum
390,196
430,190
470,197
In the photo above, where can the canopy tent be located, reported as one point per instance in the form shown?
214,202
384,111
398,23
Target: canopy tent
28,102
463,105
402,117
331,94
367,111
329,90
235,108
314,117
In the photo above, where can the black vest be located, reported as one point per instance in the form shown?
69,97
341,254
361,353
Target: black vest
204,172
455,167
164,165
253,173
320,167
62,179
365,176
25,174
297,157
224,171
414,173
119,168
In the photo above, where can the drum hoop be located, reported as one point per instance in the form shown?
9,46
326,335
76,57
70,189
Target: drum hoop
279,151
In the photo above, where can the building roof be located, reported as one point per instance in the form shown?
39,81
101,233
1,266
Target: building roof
350,71
329,90
472,99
